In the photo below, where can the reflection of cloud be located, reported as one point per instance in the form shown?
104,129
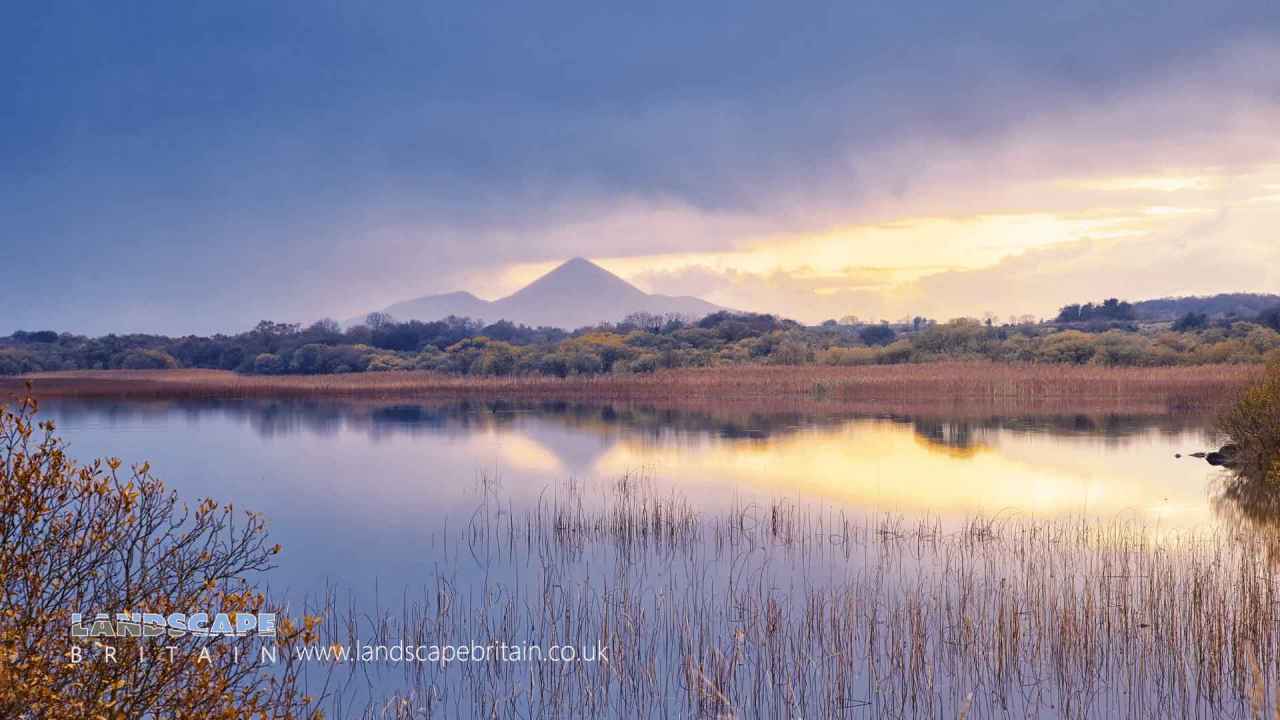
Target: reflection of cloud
885,466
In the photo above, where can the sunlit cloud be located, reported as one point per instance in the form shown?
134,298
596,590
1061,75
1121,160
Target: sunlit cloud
1166,184
1014,164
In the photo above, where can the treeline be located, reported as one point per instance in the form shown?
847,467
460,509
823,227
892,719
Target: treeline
1226,305
1111,309
644,343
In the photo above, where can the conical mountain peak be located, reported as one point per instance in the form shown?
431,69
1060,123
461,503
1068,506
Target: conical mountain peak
577,292
576,280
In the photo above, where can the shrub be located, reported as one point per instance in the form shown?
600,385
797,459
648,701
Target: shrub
384,362
963,337
643,363
1119,348
848,356
499,358
268,364
790,352
1262,339
1223,351
14,362
1253,425
148,360
1068,346
897,352
86,539
583,362
555,363
345,358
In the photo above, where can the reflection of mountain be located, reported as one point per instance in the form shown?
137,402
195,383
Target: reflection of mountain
636,421
573,295
929,463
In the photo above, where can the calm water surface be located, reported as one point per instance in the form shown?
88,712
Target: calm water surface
362,496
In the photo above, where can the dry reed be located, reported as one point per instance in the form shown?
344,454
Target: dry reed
789,610
1011,384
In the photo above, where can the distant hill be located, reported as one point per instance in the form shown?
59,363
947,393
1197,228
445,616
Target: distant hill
1242,305
434,307
575,294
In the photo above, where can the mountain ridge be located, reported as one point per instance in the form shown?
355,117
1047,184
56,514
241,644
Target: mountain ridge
574,294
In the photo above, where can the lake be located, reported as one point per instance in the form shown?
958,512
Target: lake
359,493
749,561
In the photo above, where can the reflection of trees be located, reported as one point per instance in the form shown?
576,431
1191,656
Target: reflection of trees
1254,505
730,421
958,435
1249,498
970,433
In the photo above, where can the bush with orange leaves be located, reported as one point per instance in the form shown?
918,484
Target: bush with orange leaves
89,539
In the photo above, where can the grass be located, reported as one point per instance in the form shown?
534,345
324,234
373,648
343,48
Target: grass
921,384
789,610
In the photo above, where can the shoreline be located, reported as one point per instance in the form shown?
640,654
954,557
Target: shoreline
995,385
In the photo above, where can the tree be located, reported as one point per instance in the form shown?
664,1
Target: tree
1114,309
1270,317
649,322
877,335
325,326
1191,321
307,359
268,328
39,336
1070,313
76,538
1110,309
378,320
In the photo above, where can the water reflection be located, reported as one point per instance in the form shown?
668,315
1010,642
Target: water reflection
325,417
391,477
383,501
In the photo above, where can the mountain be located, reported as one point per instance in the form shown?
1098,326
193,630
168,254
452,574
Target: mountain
461,304
575,294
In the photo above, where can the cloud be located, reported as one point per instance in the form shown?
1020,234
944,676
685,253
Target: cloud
1233,249
185,169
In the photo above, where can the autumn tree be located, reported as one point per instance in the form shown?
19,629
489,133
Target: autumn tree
93,539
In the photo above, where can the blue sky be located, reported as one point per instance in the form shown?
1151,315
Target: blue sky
197,167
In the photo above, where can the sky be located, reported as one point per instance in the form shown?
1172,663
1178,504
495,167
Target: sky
197,167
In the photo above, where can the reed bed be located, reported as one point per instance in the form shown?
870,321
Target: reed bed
794,610
1167,387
